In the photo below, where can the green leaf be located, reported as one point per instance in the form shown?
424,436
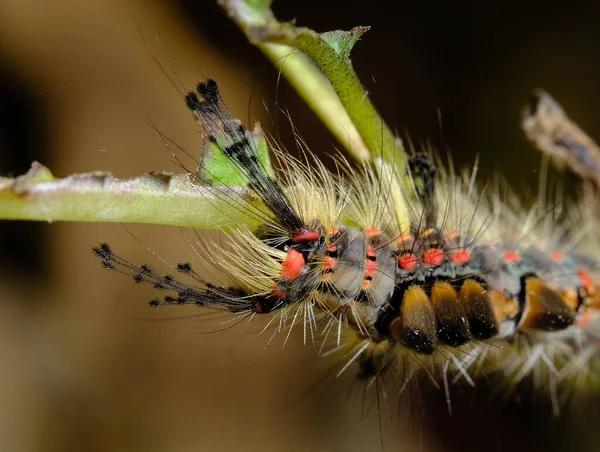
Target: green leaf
218,170
342,42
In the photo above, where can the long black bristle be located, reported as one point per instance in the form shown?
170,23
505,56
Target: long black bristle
216,297
232,138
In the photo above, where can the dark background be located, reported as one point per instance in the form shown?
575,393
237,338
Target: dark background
78,86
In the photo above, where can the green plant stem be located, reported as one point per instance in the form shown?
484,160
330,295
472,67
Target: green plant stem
317,65
157,198
314,88
329,52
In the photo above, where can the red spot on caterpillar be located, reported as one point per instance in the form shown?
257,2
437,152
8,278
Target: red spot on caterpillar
511,256
558,256
370,270
292,265
586,281
329,263
460,257
407,261
276,293
258,307
433,256
373,232
306,236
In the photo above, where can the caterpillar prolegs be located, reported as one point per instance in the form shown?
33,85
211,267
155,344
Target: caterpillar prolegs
411,270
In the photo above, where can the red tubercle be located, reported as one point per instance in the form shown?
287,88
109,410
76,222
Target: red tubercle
329,263
306,236
460,257
373,232
407,261
511,257
276,293
293,264
370,268
433,256
259,307
558,256
586,281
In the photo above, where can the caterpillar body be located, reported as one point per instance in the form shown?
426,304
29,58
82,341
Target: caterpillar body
410,269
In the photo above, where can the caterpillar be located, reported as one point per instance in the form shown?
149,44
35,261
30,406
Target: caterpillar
411,271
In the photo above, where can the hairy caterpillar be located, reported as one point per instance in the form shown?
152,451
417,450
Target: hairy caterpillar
410,271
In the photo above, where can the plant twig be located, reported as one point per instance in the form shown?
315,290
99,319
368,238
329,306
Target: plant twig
157,198
548,127
329,52
308,59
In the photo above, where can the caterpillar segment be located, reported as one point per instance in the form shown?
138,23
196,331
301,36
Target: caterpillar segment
408,268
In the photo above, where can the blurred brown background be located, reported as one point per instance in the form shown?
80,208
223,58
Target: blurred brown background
80,81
